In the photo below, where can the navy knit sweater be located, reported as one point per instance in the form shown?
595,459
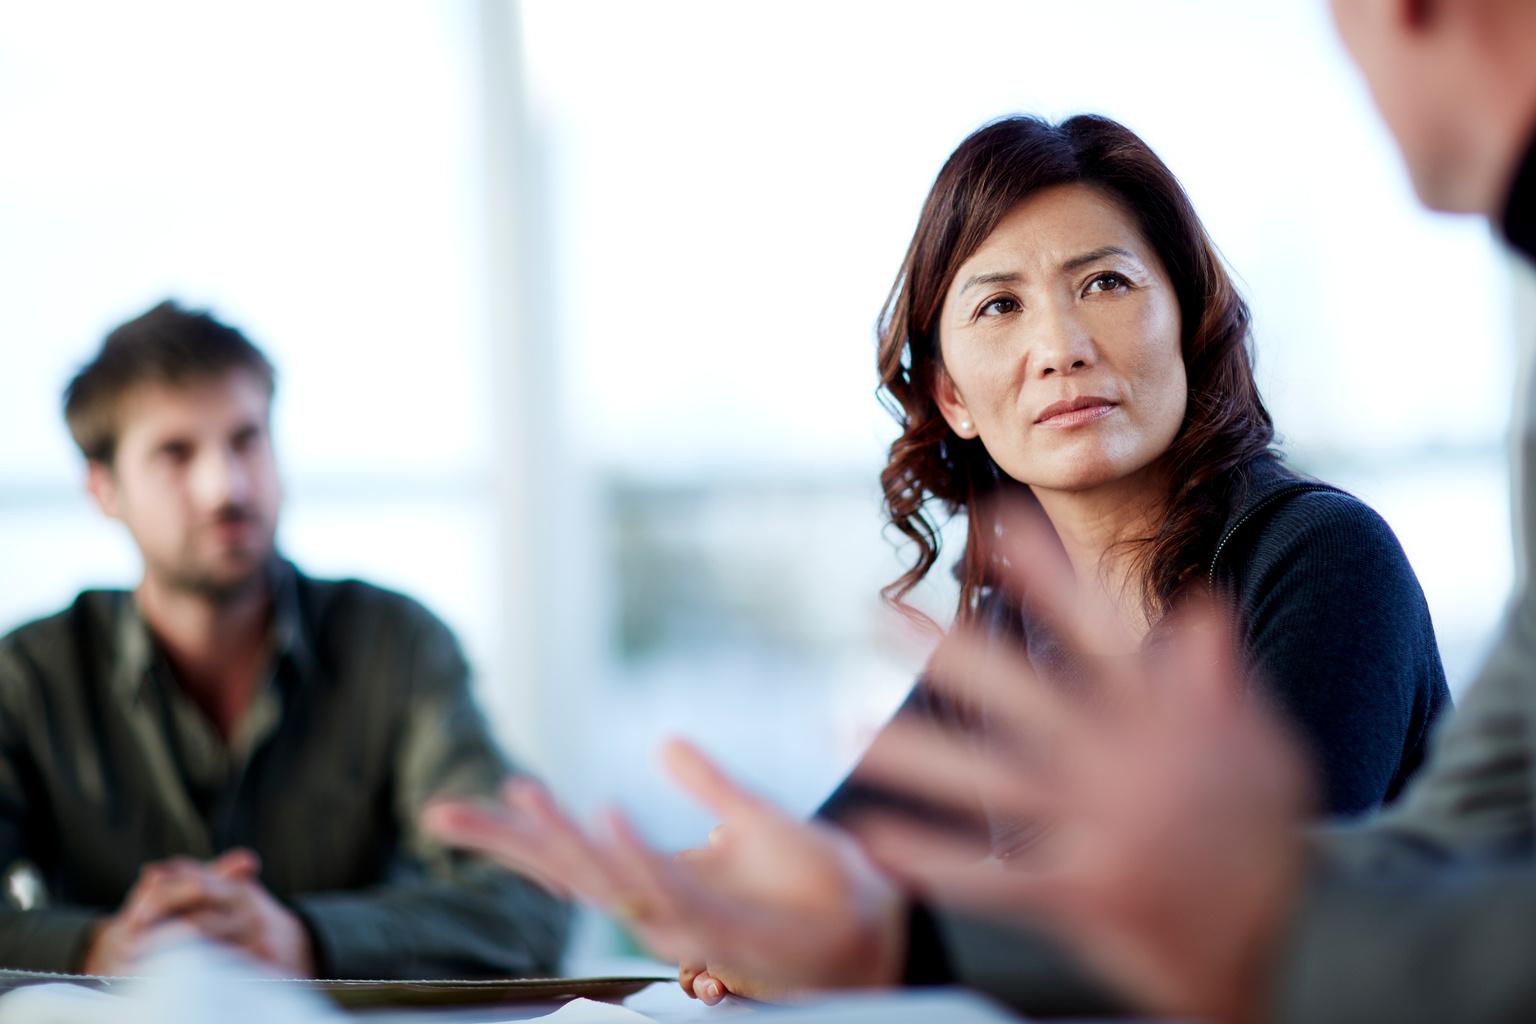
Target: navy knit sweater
1334,626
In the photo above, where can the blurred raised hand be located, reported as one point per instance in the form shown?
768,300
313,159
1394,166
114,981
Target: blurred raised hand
1173,801
773,904
1174,798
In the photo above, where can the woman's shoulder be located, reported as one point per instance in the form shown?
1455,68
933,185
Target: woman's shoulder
1313,540
1337,626
1320,514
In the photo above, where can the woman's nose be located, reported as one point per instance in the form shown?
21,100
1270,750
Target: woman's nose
1064,345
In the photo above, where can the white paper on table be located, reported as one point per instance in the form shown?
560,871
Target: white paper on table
59,1002
589,1011
900,1006
185,983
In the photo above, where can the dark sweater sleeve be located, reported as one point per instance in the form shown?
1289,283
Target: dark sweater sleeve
1338,631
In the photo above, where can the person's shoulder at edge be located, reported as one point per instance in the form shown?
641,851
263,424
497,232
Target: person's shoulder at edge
91,610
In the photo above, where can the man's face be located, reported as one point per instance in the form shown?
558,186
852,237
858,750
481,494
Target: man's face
195,482
1452,117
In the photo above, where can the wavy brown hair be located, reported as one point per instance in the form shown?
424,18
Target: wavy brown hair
1225,423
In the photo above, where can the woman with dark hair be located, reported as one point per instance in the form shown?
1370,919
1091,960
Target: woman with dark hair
1062,334
1062,331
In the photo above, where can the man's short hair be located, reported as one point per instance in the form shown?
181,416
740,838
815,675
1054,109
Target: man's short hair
168,345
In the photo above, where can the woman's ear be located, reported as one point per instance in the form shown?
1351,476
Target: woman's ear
952,405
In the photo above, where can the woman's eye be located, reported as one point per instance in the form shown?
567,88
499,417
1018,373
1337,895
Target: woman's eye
1106,283
997,307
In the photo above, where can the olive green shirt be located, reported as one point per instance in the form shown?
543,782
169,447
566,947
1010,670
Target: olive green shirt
363,715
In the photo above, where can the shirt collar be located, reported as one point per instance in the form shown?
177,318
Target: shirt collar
135,650
136,643
289,637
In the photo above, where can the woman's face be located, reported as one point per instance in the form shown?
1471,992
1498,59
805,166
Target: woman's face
1060,339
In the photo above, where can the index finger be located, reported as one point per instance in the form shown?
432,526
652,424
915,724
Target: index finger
174,895
988,676
704,780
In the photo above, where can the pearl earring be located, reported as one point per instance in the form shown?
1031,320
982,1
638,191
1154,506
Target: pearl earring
965,424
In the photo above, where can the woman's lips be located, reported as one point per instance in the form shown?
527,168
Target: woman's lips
1074,412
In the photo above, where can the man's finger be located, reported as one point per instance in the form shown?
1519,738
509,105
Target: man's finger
1034,565
704,780
567,853
486,829
1035,569
647,875
992,678
494,833
912,851
237,864
686,972
662,908
952,870
576,859
708,989
234,927
1201,657
160,870
951,775
176,895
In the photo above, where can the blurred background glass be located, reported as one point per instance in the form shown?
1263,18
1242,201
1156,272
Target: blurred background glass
640,480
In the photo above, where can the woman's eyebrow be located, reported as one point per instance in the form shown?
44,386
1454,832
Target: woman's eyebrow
1097,254
997,278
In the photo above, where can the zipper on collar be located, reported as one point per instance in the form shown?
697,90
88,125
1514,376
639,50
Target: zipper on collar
1285,492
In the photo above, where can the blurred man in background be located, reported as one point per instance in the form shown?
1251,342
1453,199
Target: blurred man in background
234,747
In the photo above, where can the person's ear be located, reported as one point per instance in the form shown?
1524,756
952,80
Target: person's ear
102,483
952,405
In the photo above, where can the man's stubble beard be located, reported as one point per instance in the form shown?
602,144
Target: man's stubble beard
192,575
